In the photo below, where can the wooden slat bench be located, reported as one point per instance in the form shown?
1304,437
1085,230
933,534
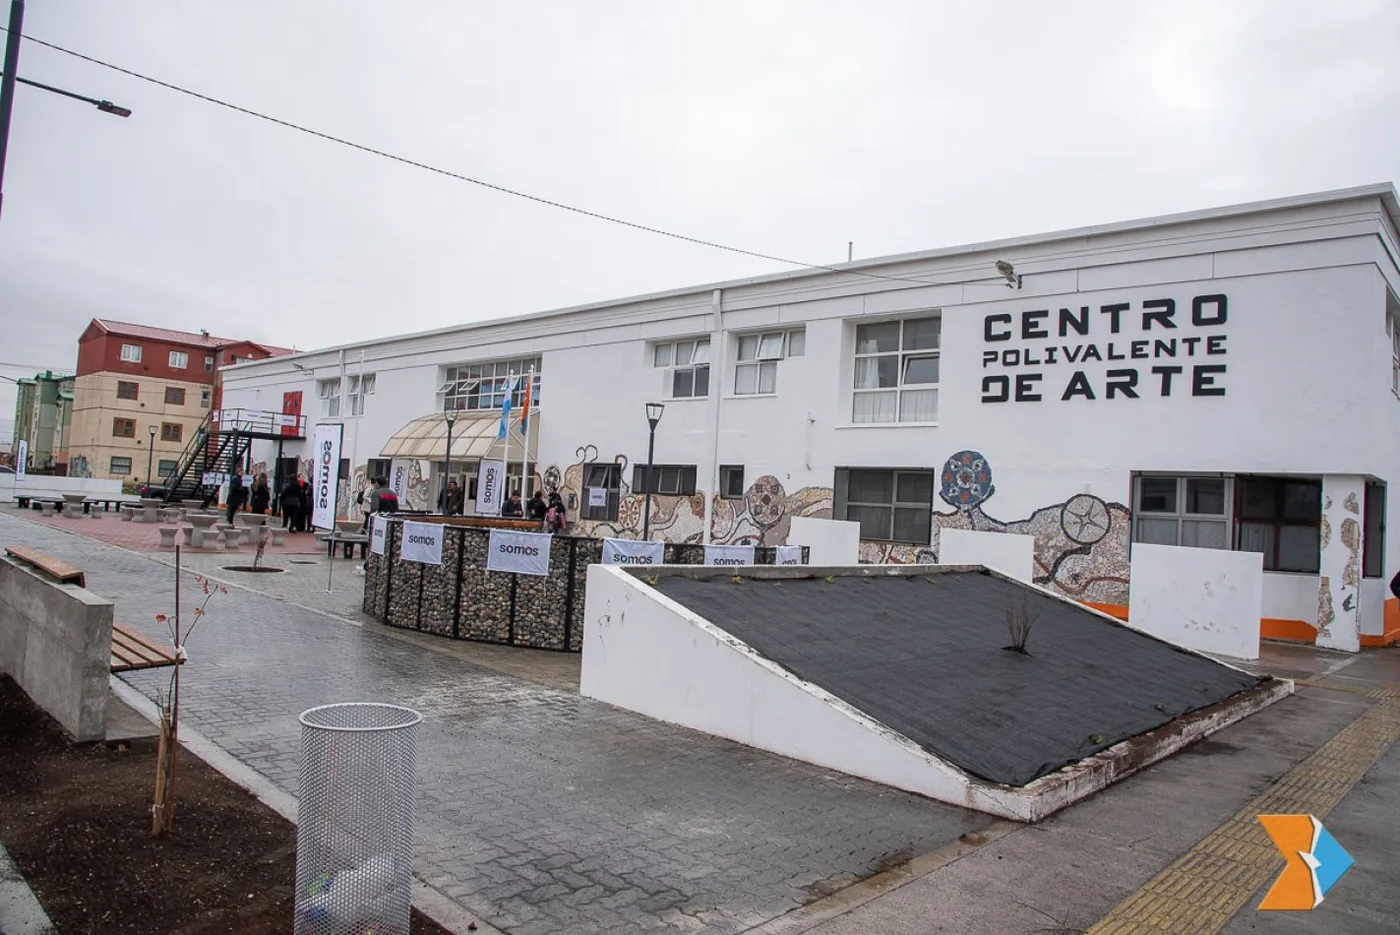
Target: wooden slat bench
59,570
131,650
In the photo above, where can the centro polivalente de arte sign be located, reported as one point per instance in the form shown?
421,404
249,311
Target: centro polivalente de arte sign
422,543
521,553
1119,350
327,480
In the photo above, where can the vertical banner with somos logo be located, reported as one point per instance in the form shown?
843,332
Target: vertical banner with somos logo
788,555
378,529
521,553
325,488
22,460
490,488
728,555
399,471
422,543
633,552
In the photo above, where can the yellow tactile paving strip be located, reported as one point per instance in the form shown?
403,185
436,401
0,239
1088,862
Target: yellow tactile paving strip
1205,888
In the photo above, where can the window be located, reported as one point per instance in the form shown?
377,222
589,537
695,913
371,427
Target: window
119,466
166,468
127,390
689,363
891,506
731,481
1281,518
357,388
204,395
329,392
756,370
483,386
378,467
179,360
1189,511
209,363
604,477
1373,538
124,428
131,353
896,371
174,396
171,431
672,479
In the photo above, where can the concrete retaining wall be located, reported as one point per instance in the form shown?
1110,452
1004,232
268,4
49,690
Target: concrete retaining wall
56,642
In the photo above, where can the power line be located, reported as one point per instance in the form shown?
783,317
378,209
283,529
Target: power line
484,184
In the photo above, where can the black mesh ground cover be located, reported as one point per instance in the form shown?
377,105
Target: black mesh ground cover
923,655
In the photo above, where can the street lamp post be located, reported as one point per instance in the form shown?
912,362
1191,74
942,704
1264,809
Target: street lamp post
450,416
150,453
654,411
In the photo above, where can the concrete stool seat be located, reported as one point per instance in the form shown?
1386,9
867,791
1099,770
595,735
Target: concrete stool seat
279,534
204,539
46,509
127,512
167,536
233,537
188,534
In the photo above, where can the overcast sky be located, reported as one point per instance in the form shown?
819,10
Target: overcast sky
783,127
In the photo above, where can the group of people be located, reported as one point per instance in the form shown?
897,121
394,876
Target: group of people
294,502
549,513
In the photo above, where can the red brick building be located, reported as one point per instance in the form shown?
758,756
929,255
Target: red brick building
141,393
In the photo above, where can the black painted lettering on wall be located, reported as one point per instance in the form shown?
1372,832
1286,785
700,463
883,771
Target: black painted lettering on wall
1080,338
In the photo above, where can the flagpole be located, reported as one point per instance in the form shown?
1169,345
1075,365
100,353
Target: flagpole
525,435
505,425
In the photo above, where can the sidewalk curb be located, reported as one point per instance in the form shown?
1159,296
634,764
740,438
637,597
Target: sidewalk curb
20,911
437,906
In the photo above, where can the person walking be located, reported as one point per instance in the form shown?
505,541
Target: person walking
261,497
453,500
237,493
292,504
381,500
307,505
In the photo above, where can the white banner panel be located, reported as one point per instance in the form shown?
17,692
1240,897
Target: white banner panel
286,420
728,555
22,460
399,470
524,553
422,542
323,491
788,555
378,528
633,552
490,487
213,479
597,496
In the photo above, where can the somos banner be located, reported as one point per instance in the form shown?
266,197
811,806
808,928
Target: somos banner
728,555
633,552
326,486
788,555
524,553
490,488
422,543
398,479
378,528
22,460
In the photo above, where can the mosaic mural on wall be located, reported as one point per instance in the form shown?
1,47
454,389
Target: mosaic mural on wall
1081,544
78,466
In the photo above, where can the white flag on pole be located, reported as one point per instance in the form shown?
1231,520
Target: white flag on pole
325,490
22,460
399,470
633,552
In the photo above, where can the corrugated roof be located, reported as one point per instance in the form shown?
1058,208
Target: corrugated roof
128,330
473,438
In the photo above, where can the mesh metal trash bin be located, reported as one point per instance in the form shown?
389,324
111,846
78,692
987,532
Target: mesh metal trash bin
356,819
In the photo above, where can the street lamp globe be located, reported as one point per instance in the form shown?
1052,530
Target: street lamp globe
654,411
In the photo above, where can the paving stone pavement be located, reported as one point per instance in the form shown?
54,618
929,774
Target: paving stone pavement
541,811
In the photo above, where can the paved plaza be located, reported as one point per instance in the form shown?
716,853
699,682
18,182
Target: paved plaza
542,811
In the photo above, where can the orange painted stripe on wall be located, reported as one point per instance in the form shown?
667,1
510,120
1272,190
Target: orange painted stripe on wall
1390,626
1119,611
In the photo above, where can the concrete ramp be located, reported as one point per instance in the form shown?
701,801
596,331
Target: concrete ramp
899,674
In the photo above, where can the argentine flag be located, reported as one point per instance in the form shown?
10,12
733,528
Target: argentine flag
505,408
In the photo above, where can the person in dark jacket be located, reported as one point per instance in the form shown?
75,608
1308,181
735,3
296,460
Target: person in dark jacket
261,497
537,508
307,504
237,493
1395,585
293,504
513,508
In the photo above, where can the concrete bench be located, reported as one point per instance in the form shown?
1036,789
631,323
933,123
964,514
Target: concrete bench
348,542
167,536
55,568
131,650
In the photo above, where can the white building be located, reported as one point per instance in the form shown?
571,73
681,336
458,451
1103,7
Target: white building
1225,378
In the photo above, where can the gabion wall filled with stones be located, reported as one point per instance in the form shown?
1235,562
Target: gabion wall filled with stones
461,599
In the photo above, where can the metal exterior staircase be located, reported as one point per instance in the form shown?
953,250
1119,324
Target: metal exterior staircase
220,444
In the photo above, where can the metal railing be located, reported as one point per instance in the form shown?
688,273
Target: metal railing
259,422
